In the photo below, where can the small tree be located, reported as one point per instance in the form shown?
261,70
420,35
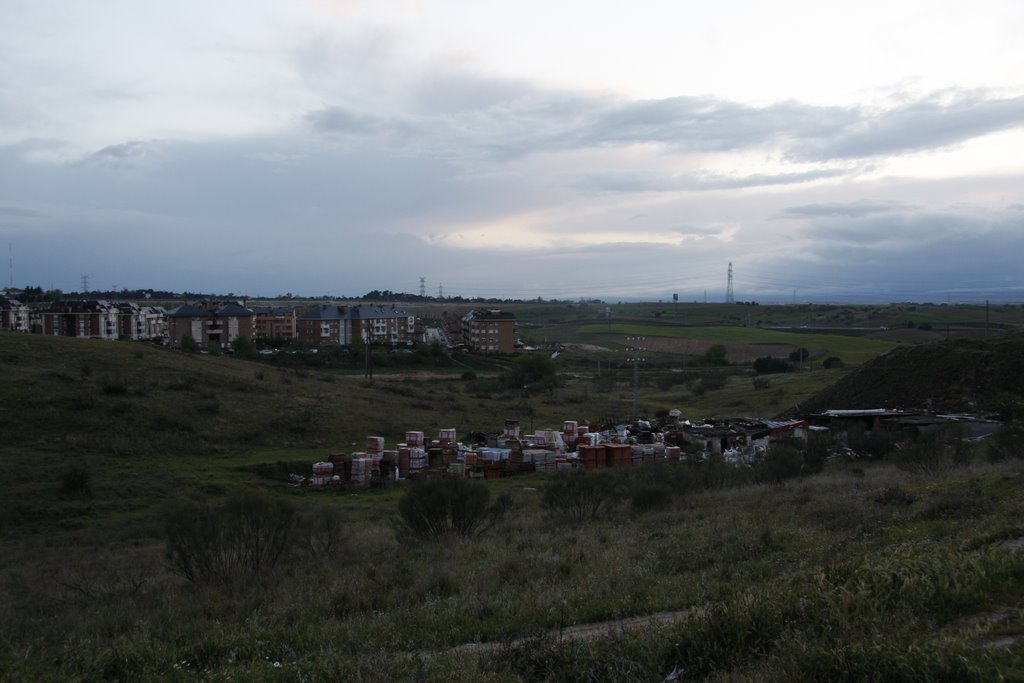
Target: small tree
357,347
188,344
529,369
244,347
717,354
800,355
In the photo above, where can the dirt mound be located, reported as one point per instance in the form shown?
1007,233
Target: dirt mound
957,375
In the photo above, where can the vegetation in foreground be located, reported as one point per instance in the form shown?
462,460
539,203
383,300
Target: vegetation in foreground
867,571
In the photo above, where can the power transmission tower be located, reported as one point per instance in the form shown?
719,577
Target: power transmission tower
635,350
423,287
85,284
729,296
440,290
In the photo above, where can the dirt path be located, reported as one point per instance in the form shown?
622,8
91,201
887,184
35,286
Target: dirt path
580,632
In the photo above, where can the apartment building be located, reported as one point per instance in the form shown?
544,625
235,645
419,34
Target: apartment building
490,331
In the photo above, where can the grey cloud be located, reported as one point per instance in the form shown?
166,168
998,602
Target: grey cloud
652,182
911,253
124,154
17,212
711,124
451,92
926,124
856,209
342,121
461,115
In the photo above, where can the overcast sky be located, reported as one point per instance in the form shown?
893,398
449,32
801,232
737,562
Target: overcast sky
864,150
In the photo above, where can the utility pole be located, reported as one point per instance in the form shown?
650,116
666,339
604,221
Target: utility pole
635,350
368,371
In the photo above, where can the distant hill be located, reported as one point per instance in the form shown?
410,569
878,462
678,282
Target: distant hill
957,375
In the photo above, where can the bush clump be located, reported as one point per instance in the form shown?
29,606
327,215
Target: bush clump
767,365
583,495
243,538
650,498
448,505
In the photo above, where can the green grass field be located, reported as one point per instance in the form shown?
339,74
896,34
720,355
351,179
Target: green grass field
849,348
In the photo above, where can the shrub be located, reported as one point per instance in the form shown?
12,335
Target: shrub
782,462
894,495
446,505
761,383
322,532
75,481
114,386
923,456
530,369
832,362
1007,442
583,495
244,538
651,497
767,365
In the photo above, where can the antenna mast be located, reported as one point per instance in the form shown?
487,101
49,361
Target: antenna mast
729,297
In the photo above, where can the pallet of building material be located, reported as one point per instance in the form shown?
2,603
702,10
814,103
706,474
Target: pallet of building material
375,444
591,456
362,472
618,455
414,439
403,461
323,469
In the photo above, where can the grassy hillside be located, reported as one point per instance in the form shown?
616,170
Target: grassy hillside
947,375
867,571
61,394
